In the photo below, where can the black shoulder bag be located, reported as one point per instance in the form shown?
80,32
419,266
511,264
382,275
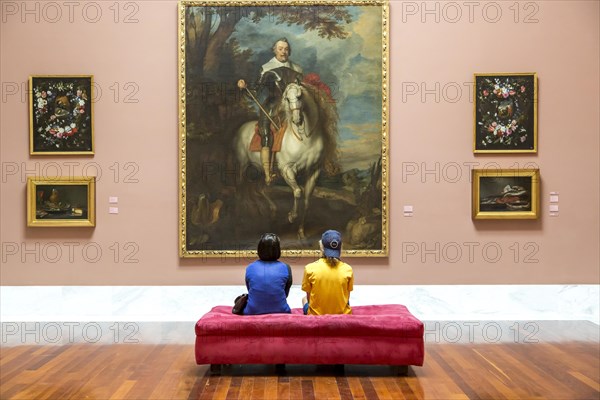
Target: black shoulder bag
239,304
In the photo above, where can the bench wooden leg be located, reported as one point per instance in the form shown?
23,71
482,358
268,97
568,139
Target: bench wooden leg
401,370
280,368
215,369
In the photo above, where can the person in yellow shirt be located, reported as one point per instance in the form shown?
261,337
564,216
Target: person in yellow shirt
328,281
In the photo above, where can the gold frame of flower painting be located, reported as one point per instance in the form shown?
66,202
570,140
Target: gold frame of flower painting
61,201
505,113
506,193
61,118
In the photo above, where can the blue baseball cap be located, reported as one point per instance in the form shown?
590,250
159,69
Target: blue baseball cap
332,243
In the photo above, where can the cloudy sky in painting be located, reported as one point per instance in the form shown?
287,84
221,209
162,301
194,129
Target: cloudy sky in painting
351,67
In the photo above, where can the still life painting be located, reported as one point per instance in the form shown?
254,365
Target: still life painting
283,126
61,201
506,193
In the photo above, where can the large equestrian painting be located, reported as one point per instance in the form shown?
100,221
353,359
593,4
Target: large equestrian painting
283,126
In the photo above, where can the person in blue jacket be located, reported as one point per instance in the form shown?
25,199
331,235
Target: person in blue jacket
268,280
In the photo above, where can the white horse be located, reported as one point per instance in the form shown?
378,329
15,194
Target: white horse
302,149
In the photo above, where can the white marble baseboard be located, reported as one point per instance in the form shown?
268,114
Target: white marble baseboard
189,303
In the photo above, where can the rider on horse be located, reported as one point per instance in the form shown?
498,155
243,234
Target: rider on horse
275,75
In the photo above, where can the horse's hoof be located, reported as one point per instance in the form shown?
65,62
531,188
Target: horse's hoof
301,234
269,179
292,217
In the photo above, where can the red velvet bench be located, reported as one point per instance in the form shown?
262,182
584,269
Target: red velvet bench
377,335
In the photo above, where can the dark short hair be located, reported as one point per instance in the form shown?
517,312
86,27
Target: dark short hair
268,247
283,39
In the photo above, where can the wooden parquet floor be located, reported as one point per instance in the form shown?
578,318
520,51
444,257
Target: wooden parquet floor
555,369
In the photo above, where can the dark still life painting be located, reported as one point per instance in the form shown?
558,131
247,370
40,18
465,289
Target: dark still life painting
505,194
61,202
283,126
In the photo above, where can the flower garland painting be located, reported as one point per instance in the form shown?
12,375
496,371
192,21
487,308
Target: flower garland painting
505,113
61,115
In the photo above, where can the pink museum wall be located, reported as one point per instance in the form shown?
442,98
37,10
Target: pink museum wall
430,145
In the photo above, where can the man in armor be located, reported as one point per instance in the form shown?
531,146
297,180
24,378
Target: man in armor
275,75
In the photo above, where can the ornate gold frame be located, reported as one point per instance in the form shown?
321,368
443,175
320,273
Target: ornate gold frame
184,252
32,205
478,150
531,213
32,150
